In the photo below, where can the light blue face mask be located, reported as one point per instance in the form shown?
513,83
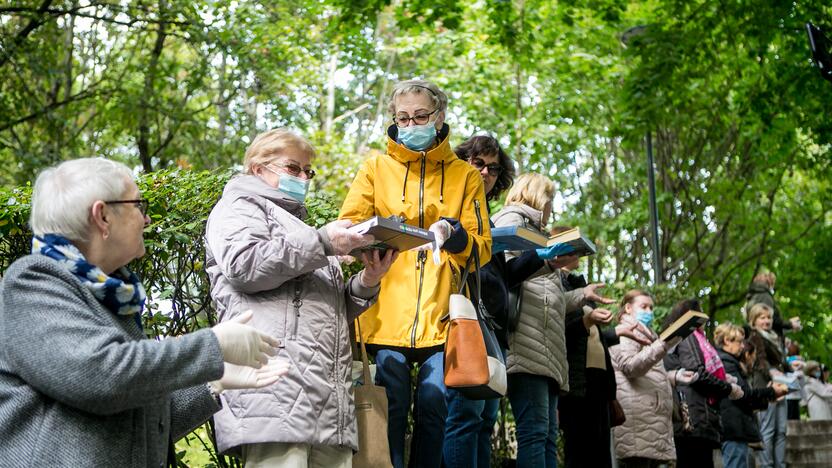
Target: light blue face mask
645,317
295,187
417,137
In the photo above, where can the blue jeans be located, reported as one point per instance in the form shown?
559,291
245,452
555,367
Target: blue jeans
534,402
773,431
468,431
429,407
734,454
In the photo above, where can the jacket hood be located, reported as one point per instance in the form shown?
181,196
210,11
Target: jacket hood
248,185
440,152
533,215
760,287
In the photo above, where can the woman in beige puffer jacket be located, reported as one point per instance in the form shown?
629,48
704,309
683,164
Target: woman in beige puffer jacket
644,390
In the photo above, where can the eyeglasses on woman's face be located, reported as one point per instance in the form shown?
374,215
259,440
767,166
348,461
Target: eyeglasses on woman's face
140,203
494,169
403,120
293,169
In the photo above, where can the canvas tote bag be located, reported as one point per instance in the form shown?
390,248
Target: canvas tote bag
370,418
474,363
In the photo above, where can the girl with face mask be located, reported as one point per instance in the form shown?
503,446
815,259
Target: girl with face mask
644,388
818,394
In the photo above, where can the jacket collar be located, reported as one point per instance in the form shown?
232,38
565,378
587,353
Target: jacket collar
533,215
248,185
760,287
439,153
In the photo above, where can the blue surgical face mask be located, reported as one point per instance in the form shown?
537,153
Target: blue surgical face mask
293,186
816,374
645,317
417,137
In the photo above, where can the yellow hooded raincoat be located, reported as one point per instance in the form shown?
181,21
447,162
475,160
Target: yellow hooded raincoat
421,187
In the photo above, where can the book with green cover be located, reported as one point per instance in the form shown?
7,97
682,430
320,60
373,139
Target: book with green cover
392,234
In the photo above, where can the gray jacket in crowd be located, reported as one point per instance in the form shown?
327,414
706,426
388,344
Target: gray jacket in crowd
80,386
262,257
538,346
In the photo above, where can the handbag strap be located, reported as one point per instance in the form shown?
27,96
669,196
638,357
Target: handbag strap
474,258
365,363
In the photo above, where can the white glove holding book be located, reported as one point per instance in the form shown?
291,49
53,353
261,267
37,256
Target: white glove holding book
344,241
441,233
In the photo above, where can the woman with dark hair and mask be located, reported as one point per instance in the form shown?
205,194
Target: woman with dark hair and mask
470,422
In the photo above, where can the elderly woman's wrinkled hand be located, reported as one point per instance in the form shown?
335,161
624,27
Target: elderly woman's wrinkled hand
244,345
344,241
237,377
376,266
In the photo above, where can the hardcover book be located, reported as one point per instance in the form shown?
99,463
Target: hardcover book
392,234
516,238
684,325
582,245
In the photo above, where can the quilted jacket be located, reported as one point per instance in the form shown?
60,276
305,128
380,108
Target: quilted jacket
538,346
262,257
646,397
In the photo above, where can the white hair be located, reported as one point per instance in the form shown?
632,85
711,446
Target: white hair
63,195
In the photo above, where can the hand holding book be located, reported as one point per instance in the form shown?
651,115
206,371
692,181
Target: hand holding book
554,250
344,241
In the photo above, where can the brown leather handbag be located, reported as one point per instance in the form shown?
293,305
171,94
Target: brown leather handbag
474,363
371,418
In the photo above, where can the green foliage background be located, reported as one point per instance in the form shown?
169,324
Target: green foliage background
737,111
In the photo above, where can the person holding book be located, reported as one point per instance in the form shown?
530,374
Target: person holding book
262,256
645,388
739,425
470,423
536,359
421,180
697,432
770,365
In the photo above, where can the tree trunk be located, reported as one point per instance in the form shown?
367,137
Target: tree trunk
148,92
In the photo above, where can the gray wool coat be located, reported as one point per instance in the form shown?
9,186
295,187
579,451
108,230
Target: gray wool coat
538,346
261,256
80,386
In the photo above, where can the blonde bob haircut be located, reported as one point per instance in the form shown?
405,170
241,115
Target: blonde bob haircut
756,311
531,189
273,144
728,332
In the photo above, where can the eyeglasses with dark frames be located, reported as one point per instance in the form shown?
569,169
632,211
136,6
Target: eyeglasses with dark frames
494,169
294,170
141,204
418,119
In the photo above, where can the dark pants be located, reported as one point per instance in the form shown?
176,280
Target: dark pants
793,410
640,462
692,452
585,422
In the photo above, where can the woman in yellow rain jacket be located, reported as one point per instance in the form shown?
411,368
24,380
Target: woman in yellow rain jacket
424,183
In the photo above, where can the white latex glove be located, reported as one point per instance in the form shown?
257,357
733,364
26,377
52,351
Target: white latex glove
730,379
686,377
236,377
244,345
344,241
736,392
441,232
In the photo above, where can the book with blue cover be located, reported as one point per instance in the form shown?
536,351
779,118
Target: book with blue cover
516,238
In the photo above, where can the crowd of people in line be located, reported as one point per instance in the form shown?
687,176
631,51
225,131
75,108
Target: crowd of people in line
80,385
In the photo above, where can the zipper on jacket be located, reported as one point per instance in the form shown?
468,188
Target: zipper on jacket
422,256
336,367
545,310
479,216
296,303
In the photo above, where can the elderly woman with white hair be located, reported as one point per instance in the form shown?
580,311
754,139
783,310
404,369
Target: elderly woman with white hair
262,257
79,383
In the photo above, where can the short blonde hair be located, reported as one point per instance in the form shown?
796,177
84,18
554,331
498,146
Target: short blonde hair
271,144
531,189
756,311
727,332
439,99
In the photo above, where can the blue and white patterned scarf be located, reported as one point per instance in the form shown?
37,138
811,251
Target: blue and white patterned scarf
122,293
